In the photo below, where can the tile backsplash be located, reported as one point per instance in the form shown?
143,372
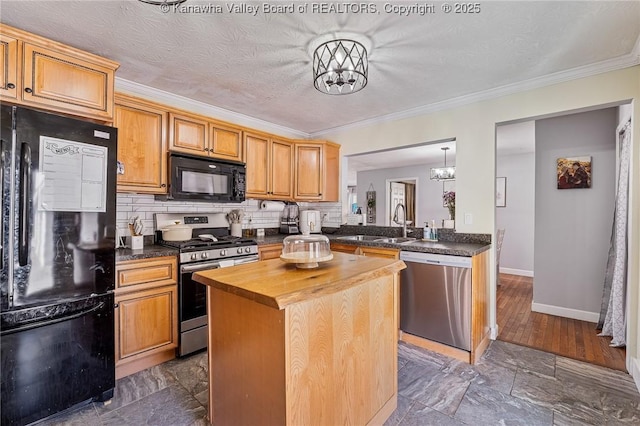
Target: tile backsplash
145,205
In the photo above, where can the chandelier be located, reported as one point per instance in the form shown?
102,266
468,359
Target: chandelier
443,173
340,67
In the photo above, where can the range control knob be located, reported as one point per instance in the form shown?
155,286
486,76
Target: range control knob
223,252
240,251
247,250
204,255
194,256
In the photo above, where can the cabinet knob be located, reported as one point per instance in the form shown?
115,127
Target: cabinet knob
11,86
28,90
116,306
163,185
206,149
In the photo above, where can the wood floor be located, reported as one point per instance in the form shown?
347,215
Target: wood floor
561,336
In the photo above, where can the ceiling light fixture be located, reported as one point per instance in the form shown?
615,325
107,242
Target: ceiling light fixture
340,67
163,2
443,173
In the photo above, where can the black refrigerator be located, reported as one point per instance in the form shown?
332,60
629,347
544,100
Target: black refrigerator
58,227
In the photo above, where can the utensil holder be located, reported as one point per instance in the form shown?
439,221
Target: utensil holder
236,229
136,242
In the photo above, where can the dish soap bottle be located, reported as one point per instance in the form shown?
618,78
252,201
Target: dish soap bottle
426,232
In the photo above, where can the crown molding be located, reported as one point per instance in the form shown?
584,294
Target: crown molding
181,102
621,62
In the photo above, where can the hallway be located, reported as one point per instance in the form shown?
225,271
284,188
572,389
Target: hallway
561,336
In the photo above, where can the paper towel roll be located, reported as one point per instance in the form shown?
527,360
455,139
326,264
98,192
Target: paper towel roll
272,206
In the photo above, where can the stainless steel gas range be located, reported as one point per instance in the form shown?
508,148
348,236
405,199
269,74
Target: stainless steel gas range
210,247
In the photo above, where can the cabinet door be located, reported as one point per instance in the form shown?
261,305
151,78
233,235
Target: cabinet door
188,134
308,166
145,322
142,145
66,83
8,67
331,172
256,148
281,169
225,142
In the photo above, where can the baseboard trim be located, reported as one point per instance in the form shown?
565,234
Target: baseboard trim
521,272
634,370
565,312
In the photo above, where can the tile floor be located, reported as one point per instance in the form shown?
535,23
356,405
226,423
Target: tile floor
511,385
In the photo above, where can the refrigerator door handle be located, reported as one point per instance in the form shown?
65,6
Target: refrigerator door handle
25,204
3,158
53,321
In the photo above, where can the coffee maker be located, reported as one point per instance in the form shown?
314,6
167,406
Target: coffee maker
289,219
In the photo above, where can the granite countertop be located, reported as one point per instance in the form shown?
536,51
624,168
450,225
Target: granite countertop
435,247
453,248
282,284
149,251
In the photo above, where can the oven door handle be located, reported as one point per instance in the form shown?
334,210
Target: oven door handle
248,259
199,267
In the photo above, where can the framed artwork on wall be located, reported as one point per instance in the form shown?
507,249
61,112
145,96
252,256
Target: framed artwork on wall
501,192
574,172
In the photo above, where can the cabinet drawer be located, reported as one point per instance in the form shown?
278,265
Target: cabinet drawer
134,275
272,251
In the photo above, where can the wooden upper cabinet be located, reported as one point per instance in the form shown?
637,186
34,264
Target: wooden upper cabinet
8,67
281,169
188,134
142,145
269,167
256,149
225,142
52,76
317,171
309,170
197,135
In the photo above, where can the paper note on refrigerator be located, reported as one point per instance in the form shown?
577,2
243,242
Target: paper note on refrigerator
73,176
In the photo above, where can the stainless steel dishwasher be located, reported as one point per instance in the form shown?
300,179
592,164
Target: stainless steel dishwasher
435,298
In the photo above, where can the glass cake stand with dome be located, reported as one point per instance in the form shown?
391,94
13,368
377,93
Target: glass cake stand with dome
306,251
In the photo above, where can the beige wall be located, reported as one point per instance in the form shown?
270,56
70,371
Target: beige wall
473,127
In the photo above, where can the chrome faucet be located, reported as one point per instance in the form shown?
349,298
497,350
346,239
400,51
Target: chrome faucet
404,218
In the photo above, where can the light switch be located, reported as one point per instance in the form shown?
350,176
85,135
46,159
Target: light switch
468,219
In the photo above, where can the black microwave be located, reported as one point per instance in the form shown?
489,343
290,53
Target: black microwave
194,178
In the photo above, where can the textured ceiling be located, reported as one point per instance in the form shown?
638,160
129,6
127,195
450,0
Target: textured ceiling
260,65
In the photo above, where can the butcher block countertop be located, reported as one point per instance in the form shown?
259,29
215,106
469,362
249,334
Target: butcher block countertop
277,284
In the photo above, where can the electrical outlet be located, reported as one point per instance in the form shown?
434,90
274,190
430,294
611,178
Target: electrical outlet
468,219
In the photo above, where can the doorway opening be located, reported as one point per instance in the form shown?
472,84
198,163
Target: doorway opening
544,298
401,191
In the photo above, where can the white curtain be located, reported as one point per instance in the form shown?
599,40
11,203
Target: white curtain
613,311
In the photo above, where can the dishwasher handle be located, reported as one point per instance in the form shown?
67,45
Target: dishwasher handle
436,259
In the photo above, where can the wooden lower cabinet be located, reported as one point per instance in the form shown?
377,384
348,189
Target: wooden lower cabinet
270,251
146,313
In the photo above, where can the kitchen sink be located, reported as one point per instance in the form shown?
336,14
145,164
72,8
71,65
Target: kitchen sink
360,237
397,240
377,239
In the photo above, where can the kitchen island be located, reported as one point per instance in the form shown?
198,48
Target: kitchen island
294,346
